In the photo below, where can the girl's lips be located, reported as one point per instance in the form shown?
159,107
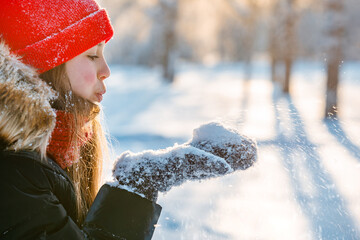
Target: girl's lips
99,97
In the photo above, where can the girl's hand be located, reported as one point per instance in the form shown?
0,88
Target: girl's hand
214,151
238,150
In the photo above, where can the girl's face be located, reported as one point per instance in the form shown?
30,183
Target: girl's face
87,73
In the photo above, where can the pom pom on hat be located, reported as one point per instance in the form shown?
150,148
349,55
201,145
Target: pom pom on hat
48,33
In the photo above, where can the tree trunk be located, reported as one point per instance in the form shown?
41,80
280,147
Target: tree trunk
168,58
288,68
169,9
335,31
331,90
273,69
289,44
248,18
274,38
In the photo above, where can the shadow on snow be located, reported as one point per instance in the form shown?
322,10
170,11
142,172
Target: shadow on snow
324,208
335,128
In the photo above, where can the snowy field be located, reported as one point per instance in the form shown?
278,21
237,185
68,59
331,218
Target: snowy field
306,183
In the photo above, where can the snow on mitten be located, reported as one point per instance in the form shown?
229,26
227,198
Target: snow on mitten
237,150
148,172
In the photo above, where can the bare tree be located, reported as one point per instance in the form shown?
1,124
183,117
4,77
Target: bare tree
275,33
250,36
170,13
282,40
289,43
248,18
162,41
335,32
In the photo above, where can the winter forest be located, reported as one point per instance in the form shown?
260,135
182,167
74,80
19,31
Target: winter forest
285,73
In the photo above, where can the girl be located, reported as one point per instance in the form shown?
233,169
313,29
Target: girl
51,140
52,73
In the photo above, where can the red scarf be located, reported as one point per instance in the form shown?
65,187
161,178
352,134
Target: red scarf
59,148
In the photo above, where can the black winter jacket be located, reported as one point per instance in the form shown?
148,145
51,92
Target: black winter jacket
37,201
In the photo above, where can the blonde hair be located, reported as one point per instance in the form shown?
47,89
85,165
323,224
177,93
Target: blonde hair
86,172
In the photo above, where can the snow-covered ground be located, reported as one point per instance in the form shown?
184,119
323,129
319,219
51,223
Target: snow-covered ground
306,183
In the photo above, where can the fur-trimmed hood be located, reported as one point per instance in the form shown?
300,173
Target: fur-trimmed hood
26,117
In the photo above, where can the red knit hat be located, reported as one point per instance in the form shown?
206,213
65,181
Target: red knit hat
47,33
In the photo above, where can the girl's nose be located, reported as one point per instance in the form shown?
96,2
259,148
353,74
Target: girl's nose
104,71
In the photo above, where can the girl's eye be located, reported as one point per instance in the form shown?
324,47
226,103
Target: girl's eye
93,57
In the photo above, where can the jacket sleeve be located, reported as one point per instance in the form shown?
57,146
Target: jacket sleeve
30,210
117,212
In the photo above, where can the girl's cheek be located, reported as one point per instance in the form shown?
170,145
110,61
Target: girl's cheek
89,77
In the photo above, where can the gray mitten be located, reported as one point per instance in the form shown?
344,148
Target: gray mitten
151,171
214,151
238,150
